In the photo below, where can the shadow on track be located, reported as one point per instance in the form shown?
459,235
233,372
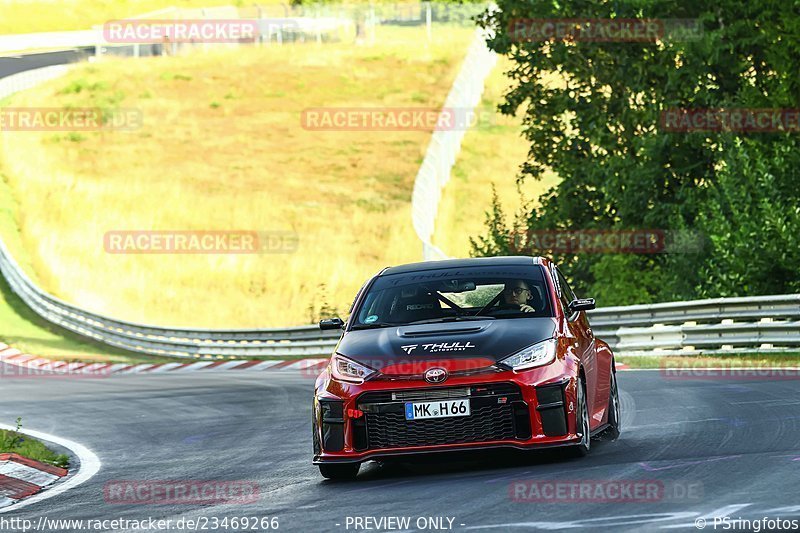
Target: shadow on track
469,462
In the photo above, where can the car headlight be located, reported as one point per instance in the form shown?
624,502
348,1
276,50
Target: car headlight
345,369
539,354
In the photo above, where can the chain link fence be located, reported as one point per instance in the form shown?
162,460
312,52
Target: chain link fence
445,144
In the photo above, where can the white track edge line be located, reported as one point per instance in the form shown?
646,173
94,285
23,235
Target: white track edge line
90,465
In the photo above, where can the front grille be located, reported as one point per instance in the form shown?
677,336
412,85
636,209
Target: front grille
435,393
431,394
391,430
496,413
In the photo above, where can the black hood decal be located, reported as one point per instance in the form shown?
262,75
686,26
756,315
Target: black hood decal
491,339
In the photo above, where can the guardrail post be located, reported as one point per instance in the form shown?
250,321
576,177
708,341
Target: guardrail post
428,21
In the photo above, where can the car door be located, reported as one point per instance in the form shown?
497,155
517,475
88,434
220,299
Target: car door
578,326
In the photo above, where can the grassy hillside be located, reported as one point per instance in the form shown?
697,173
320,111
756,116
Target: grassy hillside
24,329
222,148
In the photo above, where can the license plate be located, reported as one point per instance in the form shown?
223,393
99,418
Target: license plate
437,409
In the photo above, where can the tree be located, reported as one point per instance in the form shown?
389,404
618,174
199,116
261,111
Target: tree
594,113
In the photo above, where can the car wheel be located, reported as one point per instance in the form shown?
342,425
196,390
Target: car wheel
340,471
582,418
614,418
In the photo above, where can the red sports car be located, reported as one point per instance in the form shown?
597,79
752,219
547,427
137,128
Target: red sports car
463,354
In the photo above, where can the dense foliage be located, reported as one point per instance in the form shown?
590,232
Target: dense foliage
593,114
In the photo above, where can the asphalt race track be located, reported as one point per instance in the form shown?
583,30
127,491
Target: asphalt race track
15,64
717,446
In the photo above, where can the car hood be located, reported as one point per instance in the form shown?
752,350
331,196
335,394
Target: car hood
491,340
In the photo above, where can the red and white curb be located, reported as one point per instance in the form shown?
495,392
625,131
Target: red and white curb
88,465
21,477
33,364
29,364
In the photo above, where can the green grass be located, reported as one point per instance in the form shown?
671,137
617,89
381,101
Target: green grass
698,361
19,443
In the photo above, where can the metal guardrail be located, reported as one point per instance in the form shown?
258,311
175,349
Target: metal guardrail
178,342
719,325
763,323
741,309
29,78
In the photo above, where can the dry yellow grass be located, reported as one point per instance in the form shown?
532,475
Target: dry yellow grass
491,154
29,16
222,148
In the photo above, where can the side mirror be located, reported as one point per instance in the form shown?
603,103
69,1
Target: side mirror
331,323
581,304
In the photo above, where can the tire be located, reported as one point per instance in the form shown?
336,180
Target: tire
614,418
340,471
582,418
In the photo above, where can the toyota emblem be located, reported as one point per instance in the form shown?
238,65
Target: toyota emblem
435,375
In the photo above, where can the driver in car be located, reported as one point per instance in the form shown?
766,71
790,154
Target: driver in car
517,293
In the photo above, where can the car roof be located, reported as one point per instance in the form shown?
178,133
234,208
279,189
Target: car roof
509,260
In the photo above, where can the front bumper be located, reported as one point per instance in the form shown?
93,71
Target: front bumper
529,409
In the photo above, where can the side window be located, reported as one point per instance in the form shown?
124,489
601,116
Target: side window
566,293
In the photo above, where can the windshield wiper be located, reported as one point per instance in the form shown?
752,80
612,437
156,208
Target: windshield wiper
490,304
458,318
374,325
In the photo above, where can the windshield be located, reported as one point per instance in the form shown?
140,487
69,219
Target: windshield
475,293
